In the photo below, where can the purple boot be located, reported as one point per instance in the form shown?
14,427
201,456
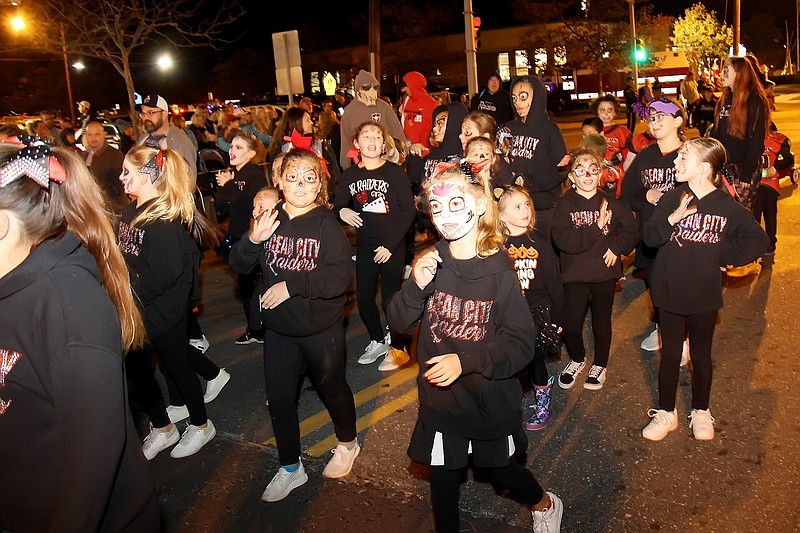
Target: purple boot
541,416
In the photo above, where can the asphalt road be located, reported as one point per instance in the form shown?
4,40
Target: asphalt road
592,453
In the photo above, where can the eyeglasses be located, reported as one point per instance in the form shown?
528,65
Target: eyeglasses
581,172
308,179
658,117
369,86
149,114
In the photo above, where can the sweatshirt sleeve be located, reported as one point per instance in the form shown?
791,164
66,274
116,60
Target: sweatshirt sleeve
406,307
657,229
567,237
745,241
514,343
162,264
222,198
633,192
89,459
625,233
332,275
756,136
404,204
342,197
555,288
245,255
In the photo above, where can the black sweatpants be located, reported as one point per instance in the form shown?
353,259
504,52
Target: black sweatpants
367,273
172,351
324,356
674,329
247,288
766,205
577,298
445,486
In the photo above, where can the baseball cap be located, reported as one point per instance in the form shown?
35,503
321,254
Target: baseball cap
153,100
84,103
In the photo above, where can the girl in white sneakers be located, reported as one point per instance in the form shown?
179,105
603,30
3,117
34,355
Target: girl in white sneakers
700,229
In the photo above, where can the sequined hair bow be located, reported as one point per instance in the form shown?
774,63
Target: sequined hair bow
154,166
34,160
469,168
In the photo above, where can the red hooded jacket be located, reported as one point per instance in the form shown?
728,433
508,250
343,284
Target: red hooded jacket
417,109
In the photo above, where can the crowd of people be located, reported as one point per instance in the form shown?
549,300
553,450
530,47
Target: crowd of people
530,236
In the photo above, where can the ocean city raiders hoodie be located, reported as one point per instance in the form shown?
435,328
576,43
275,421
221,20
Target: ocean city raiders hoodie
473,308
537,148
311,254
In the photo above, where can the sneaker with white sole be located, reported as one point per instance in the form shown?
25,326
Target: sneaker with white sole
702,424
283,483
214,386
193,439
176,413
342,461
652,342
685,353
393,360
201,344
374,351
596,378
549,520
158,441
567,378
248,337
661,424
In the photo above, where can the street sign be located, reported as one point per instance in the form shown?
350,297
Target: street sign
288,69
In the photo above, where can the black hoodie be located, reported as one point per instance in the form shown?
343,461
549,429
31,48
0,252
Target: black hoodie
419,168
537,149
311,254
686,278
473,308
236,198
71,455
583,243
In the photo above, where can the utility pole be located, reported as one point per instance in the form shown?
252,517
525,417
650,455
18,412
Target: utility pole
471,49
375,39
71,106
633,45
737,8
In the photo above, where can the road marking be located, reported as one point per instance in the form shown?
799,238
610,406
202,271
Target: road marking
317,420
371,418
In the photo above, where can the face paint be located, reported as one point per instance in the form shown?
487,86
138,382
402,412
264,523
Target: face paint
453,210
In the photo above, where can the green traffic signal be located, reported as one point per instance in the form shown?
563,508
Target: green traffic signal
640,55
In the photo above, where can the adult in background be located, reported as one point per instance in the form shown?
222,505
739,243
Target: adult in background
245,126
631,97
366,106
689,94
494,100
127,138
417,108
105,162
160,134
49,120
86,116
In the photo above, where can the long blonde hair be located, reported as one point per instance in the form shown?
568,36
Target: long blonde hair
175,200
490,236
77,205
504,197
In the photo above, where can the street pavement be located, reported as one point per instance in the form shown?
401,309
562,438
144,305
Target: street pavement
592,454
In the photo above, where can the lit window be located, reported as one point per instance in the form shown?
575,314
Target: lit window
521,64
315,85
503,67
560,56
539,58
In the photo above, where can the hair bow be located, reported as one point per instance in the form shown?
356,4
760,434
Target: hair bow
154,166
33,160
305,142
469,168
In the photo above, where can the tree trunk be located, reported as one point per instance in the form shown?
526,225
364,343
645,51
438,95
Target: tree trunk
128,77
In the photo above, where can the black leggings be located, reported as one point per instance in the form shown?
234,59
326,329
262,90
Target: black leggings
391,276
766,205
247,288
537,369
445,486
577,298
324,356
172,351
201,364
674,329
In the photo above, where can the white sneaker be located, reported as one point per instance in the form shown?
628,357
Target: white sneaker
567,377
702,424
158,441
661,424
283,483
342,461
596,378
193,439
393,360
214,386
373,351
652,342
201,344
685,353
176,413
549,520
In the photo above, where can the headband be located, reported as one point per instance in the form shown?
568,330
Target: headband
34,160
154,166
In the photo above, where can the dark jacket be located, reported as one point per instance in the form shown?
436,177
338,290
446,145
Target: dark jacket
311,254
537,149
582,243
71,455
163,261
686,276
745,153
473,308
498,105
419,168
236,198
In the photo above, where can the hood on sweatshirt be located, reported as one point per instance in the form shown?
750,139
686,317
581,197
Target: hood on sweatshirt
456,112
538,109
416,83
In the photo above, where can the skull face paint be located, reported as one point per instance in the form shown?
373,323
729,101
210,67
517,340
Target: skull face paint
453,210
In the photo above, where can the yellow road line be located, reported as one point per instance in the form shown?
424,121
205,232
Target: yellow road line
366,421
317,420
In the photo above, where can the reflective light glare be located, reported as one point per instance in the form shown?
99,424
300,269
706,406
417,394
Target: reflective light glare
18,23
165,62
78,65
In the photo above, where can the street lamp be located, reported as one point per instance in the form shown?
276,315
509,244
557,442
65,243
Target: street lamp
78,65
164,62
18,23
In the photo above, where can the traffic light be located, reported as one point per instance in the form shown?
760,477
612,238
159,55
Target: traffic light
476,31
640,53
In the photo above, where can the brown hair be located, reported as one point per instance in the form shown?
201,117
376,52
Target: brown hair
595,105
77,205
745,84
254,144
486,124
298,154
711,151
